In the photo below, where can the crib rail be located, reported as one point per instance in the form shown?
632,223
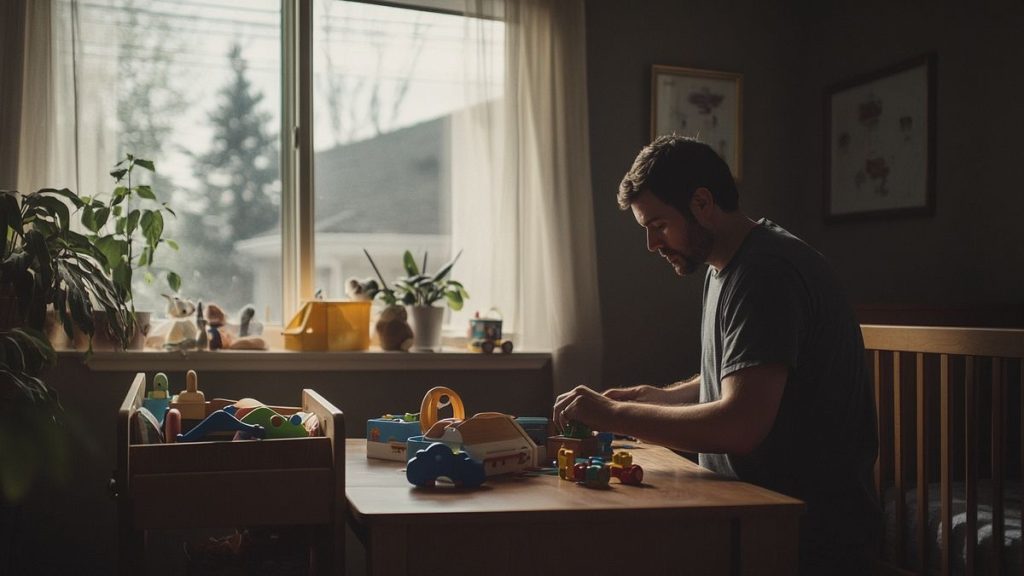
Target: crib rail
959,377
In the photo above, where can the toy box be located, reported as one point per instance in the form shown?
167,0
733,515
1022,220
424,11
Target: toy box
329,325
386,438
217,484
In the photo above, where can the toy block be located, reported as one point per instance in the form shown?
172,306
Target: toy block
582,447
220,421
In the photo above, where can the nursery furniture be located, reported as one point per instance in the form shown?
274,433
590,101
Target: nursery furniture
682,518
949,404
292,481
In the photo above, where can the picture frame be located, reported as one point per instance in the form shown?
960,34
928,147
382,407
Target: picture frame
705,104
880,143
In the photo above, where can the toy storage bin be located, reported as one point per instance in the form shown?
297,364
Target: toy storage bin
333,325
232,484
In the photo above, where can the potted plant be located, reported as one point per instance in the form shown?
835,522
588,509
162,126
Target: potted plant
30,415
420,292
44,263
127,227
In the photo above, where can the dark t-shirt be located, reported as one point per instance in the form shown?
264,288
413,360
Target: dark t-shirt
778,302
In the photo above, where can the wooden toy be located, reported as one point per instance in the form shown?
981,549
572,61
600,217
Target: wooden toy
438,461
172,425
622,467
485,336
496,440
386,437
220,421
159,398
275,425
191,402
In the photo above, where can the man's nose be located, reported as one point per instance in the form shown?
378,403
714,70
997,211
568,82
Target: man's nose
653,242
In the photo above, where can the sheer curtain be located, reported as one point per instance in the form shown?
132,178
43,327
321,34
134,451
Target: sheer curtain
523,199
67,132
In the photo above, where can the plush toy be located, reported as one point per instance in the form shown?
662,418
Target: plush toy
357,289
179,331
223,334
393,329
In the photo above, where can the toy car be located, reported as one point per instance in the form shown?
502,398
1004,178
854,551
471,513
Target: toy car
485,336
438,460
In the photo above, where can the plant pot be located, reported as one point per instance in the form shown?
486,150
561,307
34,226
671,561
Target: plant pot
426,324
100,338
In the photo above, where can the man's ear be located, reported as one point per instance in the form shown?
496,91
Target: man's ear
702,203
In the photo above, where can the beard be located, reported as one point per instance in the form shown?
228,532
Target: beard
700,241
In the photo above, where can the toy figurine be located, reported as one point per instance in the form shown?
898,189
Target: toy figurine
393,329
179,331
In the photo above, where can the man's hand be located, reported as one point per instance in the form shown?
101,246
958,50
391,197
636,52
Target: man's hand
584,405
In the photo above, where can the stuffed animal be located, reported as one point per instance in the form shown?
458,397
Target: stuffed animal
357,289
223,334
179,331
393,329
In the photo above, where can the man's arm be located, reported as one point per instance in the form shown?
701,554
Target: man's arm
735,424
682,392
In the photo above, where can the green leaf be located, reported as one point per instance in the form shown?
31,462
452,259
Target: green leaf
65,193
119,173
89,219
155,229
132,222
454,300
102,215
172,244
144,257
447,267
122,277
120,191
148,277
114,251
145,192
147,164
410,264
174,281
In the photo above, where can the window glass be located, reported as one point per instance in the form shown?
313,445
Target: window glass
195,87
388,82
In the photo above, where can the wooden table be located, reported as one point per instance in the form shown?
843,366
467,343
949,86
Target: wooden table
684,519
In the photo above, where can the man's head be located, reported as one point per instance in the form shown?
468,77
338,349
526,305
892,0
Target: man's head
674,184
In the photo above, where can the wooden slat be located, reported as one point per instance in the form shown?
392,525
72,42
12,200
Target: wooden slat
227,456
946,492
876,371
922,467
971,464
998,462
897,410
1004,343
1020,412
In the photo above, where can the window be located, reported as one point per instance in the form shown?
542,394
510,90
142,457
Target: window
197,87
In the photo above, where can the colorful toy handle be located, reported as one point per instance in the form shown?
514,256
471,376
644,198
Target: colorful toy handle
432,403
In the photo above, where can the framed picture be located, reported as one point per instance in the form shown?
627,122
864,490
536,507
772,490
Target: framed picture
880,143
703,104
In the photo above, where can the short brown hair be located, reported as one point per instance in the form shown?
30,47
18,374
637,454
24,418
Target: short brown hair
672,168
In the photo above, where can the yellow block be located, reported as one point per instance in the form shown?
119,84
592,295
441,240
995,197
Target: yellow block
329,325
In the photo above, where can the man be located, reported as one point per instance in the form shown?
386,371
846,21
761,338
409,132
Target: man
783,399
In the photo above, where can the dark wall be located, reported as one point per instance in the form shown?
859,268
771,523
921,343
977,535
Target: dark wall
968,257
970,253
651,317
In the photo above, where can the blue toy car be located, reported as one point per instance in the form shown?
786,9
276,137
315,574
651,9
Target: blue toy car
438,460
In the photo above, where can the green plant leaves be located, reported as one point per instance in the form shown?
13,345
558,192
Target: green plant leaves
174,281
410,264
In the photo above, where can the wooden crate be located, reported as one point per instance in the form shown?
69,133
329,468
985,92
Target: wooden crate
294,481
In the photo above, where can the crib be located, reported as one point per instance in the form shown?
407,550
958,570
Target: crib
949,406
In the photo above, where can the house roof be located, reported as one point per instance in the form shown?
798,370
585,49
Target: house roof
395,182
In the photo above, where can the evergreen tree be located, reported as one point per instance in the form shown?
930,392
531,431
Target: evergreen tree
239,192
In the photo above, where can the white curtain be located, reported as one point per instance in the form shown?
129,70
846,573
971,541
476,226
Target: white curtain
67,117
524,204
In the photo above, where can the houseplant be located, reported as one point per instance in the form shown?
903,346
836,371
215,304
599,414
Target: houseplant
44,263
127,227
420,291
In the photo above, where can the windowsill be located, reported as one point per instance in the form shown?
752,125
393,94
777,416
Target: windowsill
449,358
